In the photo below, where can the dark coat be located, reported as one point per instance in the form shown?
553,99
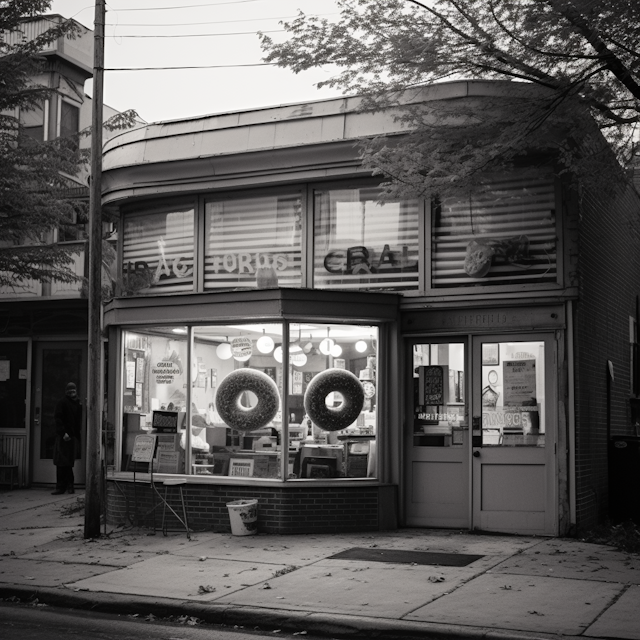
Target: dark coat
68,417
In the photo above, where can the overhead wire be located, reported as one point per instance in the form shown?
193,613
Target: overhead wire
187,6
207,66
113,10
196,35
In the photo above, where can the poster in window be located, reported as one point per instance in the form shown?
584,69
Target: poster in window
131,374
241,467
431,385
519,382
297,383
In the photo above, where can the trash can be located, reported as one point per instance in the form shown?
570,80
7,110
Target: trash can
243,515
624,479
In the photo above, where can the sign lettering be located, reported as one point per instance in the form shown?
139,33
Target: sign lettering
360,260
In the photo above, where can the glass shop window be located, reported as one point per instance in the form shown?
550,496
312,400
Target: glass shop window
503,234
154,380
513,394
236,396
439,391
361,243
158,252
235,389
333,401
253,242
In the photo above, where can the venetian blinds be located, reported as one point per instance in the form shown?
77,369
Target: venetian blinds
253,242
504,235
362,244
158,252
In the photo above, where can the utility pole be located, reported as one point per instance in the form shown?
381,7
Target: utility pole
94,375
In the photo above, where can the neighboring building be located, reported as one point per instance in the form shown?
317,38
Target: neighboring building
43,325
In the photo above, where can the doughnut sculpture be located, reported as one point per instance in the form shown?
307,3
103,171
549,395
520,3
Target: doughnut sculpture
228,394
334,418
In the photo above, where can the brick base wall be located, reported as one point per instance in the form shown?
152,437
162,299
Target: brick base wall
286,510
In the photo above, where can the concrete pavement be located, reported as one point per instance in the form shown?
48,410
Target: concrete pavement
519,587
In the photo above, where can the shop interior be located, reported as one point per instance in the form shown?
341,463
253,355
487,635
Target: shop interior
172,374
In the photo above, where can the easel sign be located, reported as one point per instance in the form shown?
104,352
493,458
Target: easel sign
144,448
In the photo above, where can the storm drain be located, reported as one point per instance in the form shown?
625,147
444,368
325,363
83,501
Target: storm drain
407,557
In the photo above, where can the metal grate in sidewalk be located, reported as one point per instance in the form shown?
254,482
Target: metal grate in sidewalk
398,556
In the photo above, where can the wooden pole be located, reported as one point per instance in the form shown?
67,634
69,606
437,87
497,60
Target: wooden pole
94,383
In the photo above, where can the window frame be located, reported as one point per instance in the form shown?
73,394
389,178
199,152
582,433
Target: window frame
285,391
472,288
235,194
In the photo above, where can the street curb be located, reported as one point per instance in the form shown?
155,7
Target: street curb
333,625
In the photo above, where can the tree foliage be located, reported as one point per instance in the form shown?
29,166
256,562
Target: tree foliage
572,68
36,178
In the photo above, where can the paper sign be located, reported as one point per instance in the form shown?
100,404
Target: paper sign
519,382
5,369
144,448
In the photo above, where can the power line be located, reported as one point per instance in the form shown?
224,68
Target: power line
186,6
192,24
197,35
210,66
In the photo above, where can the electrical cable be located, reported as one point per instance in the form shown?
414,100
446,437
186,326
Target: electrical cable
211,66
197,35
187,6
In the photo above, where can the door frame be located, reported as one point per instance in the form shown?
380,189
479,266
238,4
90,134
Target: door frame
439,455
526,455
24,467
473,398
40,474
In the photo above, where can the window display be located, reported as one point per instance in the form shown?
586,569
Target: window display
251,414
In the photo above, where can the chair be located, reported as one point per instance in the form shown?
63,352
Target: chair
168,483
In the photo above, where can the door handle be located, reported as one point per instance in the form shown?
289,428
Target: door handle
476,454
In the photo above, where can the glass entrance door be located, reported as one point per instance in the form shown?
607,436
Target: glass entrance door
57,363
513,444
437,444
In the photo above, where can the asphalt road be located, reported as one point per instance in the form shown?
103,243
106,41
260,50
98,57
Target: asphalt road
29,622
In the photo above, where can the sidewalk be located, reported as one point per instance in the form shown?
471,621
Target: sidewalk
514,587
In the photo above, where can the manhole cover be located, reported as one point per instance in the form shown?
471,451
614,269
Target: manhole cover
407,557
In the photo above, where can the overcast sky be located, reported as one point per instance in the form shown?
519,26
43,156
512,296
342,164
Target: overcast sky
165,94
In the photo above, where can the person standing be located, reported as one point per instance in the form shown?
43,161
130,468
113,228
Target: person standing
68,417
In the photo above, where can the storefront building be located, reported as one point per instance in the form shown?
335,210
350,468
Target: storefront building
352,365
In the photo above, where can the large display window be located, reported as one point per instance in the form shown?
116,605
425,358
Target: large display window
271,401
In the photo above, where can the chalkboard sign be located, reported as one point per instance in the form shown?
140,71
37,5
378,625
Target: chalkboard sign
432,385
